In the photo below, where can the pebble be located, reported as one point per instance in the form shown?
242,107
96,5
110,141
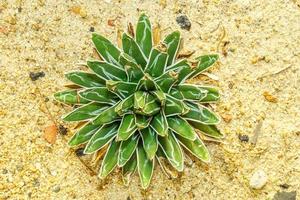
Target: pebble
56,188
4,171
243,138
36,75
285,195
258,179
79,152
62,130
92,29
183,22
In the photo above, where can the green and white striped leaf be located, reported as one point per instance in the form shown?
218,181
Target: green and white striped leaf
205,62
102,137
131,48
84,134
159,124
85,112
143,35
191,92
109,52
107,116
175,107
110,159
127,127
128,169
209,130
165,165
182,127
160,95
196,147
182,69
172,41
125,106
100,95
127,149
201,114
166,81
174,92
157,63
84,79
145,167
133,70
70,97
212,94
146,83
120,88
146,104
150,142
142,121
107,71
172,150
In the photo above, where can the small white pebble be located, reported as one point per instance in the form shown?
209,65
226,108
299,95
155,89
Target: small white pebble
258,179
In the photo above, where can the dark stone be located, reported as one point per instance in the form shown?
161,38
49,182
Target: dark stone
285,195
36,75
62,130
183,22
284,186
79,152
244,138
92,29
19,9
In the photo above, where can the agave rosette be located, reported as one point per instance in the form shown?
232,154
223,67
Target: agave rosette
136,104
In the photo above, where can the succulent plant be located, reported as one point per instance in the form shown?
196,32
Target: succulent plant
136,106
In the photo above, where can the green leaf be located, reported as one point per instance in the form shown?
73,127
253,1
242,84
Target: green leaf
172,42
145,167
204,63
125,106
159,124
142,121
127,149
143,35
145,104
109,52
85,79
101,95
160,95
122,89
181,127
175,107
165,165
128,169
85,112
209,130
182,69
172,150
110,159
174,92
146,83
201,114
102,137
196,147
70,97
150,143
127,127
191,92
131,48
107,71
133,70
212,94
106,116
157,63
84,134
166,81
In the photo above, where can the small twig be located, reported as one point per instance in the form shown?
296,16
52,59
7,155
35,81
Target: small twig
256,133
275,73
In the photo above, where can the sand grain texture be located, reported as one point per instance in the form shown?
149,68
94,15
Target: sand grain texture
259,45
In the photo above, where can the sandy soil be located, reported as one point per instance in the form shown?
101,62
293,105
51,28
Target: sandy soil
258,75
